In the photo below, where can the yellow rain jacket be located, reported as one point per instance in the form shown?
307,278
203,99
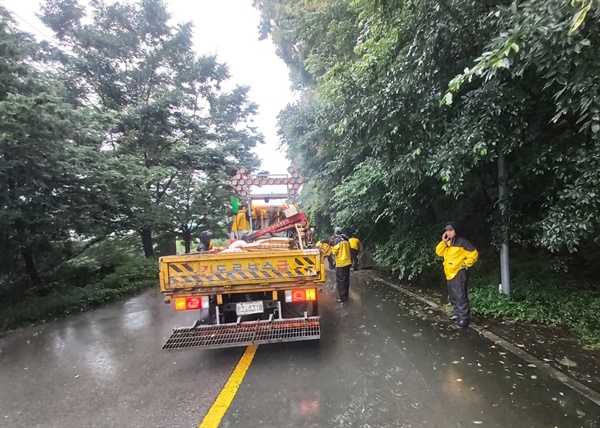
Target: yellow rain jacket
325,247
341,251
458,254
355,244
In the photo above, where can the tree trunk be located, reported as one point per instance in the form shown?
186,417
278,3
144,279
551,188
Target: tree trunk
172,245
187,239
31,267
6,261
147,242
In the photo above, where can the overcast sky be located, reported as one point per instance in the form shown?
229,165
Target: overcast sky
230,29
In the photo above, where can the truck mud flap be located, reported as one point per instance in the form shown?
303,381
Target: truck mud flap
245,333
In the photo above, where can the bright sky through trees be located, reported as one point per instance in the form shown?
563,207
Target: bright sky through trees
229,28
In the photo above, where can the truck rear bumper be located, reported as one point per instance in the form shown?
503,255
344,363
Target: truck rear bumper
245,333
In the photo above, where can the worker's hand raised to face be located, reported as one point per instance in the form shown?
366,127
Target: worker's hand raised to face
445,237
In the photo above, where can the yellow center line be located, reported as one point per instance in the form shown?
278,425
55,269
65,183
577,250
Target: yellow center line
223,401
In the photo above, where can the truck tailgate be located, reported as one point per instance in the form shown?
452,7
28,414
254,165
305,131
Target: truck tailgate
208,270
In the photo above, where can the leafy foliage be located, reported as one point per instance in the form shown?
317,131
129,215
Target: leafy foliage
51,178
543,299
404,111
129,278
173,120
400,126
122,130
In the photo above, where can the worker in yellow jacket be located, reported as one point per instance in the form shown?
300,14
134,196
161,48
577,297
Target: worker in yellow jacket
341,251
459,255
326,249
355,249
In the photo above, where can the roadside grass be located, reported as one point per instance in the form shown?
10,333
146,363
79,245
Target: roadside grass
539,295
127,279
104,273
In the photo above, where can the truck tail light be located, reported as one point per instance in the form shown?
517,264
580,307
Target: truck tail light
190,303
308,295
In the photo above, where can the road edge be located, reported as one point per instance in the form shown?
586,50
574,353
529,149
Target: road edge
578,387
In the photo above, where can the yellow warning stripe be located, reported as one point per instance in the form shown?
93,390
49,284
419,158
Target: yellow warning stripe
240,276
185,269
223,401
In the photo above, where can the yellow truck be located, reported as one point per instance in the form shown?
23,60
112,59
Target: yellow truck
265,291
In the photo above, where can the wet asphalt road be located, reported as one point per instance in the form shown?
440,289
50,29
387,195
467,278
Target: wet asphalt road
384,360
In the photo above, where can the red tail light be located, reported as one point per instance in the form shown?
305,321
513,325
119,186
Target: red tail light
193,303
190,303
308,295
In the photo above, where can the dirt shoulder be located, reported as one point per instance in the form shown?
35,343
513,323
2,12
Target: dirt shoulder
556,346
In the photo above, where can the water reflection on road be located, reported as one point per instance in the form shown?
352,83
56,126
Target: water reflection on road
74,372
384,360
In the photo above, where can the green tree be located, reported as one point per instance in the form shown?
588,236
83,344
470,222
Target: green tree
388,160
50,186
172,114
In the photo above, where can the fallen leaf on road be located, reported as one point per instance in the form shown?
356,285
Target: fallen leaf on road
566,362
477,422
531,365
459,380
533,377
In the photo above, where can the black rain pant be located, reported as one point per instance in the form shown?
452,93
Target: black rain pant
330,261
342,278
354,256
458,294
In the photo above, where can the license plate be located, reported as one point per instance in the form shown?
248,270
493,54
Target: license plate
247,308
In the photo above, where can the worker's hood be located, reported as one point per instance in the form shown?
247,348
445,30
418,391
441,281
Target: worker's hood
454,225
205,236
338,238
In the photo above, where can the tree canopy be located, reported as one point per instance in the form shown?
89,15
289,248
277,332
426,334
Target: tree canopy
173,120
406,106
119,128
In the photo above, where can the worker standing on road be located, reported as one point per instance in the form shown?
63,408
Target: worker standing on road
341,251
326,248
355,249
459,255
